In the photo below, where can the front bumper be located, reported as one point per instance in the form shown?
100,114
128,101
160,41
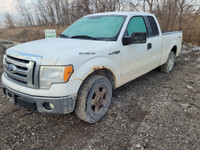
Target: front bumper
56,105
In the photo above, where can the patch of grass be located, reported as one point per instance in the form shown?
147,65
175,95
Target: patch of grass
25,34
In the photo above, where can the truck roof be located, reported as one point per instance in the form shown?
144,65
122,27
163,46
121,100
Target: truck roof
120,13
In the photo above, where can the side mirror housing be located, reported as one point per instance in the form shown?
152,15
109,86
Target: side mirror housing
135,38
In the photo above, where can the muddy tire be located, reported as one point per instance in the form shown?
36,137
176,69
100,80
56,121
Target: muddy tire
94,99
169,65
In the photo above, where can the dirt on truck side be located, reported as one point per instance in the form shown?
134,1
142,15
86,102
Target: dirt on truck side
156,111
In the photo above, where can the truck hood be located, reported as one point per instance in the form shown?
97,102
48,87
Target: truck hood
51,49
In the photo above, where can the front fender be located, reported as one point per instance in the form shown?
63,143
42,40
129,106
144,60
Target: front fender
91,66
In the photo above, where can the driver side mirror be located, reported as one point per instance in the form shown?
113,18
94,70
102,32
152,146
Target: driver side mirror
135,38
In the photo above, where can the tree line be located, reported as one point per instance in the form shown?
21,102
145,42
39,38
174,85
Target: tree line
172,14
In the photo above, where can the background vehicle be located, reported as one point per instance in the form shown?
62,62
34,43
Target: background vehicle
78,70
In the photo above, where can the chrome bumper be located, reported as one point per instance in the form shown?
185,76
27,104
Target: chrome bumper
55,105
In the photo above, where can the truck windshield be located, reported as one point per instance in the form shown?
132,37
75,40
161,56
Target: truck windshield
95,28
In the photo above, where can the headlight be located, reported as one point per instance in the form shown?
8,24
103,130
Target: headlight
50,75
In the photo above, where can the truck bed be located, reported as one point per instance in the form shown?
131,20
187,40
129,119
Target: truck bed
170,32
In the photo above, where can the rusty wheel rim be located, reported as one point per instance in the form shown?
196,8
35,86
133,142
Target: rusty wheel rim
99,99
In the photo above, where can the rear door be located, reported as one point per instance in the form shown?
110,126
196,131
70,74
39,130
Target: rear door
154,42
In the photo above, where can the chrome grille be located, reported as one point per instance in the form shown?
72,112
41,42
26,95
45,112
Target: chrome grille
20,70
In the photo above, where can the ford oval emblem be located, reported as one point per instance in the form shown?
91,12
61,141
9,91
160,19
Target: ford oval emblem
12,68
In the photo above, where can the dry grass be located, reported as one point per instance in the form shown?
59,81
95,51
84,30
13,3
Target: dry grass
191,32
192,36
25,34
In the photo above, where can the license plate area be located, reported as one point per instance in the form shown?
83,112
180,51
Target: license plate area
10,97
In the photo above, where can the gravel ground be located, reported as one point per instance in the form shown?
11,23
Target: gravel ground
156,111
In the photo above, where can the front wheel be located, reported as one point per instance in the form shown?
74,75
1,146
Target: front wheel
169,65
94,99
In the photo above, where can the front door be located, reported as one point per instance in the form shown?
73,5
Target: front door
134,57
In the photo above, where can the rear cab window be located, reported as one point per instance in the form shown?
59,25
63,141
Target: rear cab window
152,26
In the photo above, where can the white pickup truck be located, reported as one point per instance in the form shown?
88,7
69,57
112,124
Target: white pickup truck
78,70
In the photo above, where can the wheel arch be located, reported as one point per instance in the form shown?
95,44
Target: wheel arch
99,66
175,50
103,71
106,73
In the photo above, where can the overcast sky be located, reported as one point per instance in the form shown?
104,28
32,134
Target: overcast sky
8,6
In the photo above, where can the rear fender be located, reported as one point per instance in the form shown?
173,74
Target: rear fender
167,51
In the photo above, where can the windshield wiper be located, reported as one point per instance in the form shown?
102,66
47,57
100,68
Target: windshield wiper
83,37
63,36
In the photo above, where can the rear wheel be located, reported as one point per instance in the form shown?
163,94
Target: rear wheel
169,65
94,99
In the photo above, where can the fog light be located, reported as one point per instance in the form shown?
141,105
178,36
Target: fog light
48,106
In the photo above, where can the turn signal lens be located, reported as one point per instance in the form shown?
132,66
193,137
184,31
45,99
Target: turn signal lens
67,73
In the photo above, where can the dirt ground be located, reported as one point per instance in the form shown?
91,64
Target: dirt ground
156,111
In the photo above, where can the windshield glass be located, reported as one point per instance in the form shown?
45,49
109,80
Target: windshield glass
96,27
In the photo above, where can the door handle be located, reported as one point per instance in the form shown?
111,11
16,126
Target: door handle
149,46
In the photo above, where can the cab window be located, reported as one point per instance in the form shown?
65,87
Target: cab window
136,24
154,28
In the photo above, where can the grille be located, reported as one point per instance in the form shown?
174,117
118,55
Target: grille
20,70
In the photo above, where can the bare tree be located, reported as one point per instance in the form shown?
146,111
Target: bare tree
9,21
65,12
26,13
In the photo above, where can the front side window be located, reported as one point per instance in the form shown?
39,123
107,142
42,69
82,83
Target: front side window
136,24
96,27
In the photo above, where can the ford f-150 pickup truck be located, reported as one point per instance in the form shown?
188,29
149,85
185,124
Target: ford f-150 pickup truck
78,70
